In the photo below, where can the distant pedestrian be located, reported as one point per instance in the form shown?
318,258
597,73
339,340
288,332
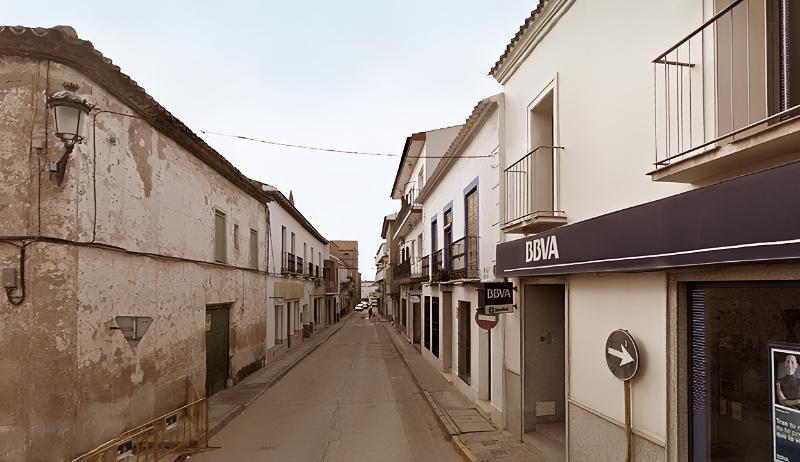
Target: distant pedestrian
369,313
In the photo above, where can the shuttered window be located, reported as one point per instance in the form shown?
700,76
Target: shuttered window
253,249
220,241
435,326
427,323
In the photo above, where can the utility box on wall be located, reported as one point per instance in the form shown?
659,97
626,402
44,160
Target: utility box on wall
9,278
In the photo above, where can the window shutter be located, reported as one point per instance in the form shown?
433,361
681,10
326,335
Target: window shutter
253,249
220,242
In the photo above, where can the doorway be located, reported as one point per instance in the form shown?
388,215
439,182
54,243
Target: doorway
544,389
216,348
447,331
464,341
417,320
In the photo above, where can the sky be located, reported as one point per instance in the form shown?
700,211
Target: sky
348,75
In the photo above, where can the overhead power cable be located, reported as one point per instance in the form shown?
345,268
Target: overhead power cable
275,143
297,146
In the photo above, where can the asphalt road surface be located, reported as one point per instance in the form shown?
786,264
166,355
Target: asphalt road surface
352,399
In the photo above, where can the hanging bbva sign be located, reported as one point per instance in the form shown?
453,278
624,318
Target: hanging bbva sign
496,297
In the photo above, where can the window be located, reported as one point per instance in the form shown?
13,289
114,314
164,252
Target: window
253,249
236,236
730,328
220,241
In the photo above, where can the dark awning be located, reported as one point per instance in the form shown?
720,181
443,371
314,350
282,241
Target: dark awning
750,218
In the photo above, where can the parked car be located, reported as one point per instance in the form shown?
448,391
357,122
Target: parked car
360,306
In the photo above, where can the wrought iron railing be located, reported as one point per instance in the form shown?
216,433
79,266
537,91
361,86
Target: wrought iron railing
402,270
426,267
717,83
530,186
437,262
464,258
299,265
288,263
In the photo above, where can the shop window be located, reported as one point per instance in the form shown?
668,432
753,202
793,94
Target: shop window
734,369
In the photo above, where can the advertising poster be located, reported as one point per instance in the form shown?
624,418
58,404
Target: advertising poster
785,400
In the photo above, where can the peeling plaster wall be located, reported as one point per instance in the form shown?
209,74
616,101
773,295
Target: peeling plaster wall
130,231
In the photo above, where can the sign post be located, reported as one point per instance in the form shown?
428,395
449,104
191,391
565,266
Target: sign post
622,358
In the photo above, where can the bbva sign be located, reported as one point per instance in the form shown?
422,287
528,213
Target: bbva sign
541,249
495,294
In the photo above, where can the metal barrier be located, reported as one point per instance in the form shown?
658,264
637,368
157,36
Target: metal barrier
134,447
160,437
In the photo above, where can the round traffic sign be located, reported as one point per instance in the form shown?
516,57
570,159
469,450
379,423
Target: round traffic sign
622,356
485,321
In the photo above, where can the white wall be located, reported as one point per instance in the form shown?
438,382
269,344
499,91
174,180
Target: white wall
600,55
599,304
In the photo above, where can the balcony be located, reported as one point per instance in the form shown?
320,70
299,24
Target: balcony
299,265
464,258
531,193
722,98
426,267
409,270
402,270
437,261
408,206
288,263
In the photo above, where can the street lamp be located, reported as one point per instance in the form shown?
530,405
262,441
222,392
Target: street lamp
69,110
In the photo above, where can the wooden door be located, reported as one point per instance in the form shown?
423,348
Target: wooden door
216,349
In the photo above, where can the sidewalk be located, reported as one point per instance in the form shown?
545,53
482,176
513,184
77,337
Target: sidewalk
475,438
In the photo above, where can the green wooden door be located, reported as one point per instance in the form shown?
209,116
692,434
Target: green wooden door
216,349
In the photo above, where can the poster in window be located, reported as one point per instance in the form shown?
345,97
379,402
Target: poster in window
785,396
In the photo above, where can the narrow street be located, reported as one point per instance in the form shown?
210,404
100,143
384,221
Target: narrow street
351,399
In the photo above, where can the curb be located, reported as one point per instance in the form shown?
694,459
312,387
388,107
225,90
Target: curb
446,425
242,407
462,450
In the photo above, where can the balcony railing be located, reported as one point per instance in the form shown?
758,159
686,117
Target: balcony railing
464,258
402,270
310,269
288,262
531,191
426,267
299,266
407,205
316,271
437,261
717,84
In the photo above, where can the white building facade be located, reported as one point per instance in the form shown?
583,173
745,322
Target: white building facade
460,219
295,287
694,256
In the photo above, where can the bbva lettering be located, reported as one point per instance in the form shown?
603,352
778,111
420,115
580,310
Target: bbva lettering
498,293
541,249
